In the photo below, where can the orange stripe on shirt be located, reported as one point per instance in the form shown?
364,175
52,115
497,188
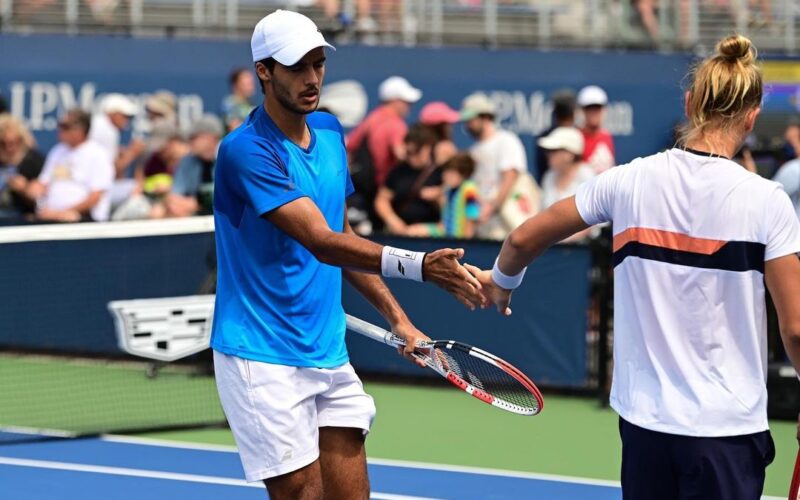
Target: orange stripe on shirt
667,239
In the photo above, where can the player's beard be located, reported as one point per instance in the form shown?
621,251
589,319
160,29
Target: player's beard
284,98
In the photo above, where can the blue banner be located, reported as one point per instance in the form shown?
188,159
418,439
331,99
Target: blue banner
43,75
54,297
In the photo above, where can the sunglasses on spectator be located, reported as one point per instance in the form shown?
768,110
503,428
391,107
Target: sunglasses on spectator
66,125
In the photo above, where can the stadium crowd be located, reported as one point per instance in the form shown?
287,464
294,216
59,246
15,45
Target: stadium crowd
411,180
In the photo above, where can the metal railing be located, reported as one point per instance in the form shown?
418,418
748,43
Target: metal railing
656,24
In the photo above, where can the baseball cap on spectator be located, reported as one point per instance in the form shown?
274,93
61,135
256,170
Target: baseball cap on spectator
162,102
592,96
566,138
285,36
397,88
438,112
207,124
118,103
477,104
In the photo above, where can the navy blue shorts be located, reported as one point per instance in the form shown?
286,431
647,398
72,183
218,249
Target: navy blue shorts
658,466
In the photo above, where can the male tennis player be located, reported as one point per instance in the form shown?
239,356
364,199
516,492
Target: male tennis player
695,235
297,410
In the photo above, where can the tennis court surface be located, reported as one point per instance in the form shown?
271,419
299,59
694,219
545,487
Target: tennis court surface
131,468
124,468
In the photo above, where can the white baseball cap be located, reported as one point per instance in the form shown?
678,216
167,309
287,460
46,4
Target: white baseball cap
567,138
118,103
477,104
592,96
397,88
286,36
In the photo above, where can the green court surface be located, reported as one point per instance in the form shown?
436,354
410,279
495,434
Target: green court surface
81,395
571,437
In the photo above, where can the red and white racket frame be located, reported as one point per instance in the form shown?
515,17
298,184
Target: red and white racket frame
381,335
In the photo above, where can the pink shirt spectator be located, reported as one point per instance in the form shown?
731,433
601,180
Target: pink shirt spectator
384,129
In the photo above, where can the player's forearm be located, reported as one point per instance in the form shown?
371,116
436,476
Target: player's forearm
791,342
347,251
372,288
537,234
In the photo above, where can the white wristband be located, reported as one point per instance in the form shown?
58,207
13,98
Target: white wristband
399,263
505,281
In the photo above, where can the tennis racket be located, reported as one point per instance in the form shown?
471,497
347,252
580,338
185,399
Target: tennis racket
478,373
794,489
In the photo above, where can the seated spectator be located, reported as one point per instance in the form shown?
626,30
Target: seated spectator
564,148
20,163
375,146
116,112
788,175
599,144
162,105
412,190
460,202
237,105
193,182
155,177
440,117
563,116
76,177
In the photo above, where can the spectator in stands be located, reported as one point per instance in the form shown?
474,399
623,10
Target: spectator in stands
193,182
598,143
375,146
237,105
76,177
791,149
439,118
788,175
116,112
20,163
499,160
460,202
383,131
154,178
563,116
564,147
411,192
162,105
646,9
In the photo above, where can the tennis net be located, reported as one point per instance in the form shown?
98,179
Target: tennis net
63,370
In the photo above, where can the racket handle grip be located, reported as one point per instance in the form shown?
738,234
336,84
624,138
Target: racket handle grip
372,331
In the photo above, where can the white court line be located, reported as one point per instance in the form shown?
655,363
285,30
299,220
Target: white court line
172,476
381,461
388,462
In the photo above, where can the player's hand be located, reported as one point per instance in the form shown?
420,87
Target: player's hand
443,269
411,335
500,297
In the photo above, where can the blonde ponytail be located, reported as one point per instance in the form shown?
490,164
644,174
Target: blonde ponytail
724,88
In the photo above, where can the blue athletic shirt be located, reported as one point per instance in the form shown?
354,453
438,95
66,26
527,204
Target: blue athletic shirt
276,302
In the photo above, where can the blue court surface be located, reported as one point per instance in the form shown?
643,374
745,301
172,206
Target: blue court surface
123,468
117,468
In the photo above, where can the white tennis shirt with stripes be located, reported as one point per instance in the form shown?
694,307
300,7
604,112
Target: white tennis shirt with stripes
691,235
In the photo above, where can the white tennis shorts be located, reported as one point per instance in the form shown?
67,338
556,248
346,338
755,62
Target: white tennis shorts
275,411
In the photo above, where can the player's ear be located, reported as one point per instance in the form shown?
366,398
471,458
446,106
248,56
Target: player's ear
262,72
